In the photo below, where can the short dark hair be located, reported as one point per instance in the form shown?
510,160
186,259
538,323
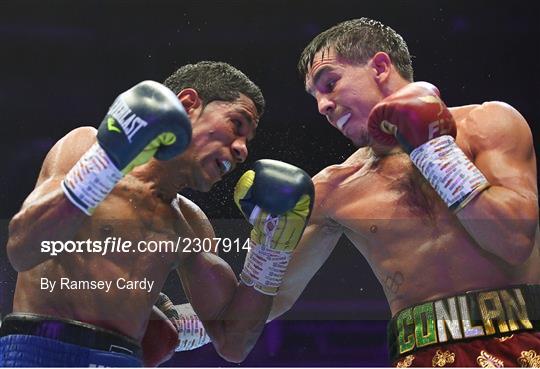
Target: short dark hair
215,81
357,40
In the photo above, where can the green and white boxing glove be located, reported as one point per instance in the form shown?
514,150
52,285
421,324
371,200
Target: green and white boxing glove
145,121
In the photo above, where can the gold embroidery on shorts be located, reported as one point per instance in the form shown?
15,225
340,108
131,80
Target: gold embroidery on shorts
406,362
443,358
529,359
502,339
486,360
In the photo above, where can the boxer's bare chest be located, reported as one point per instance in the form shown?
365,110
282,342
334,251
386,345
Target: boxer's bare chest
395,219
384,199
416,247
134,225
125,254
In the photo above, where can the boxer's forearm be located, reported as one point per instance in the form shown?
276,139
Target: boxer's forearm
233,315
318,241
45,216
502,222
237,329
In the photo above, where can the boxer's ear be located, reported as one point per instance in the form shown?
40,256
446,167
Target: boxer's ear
190,99
381,65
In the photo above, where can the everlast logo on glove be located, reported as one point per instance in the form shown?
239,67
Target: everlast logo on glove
128,120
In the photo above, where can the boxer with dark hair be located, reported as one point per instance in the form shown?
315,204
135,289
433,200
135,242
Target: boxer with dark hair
120,184
445,198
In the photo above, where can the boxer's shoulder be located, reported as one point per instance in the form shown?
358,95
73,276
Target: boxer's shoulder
185,205
66,152
491,124
191,213
335,173
498,118
82,131
333,181
334,176
485,115
78,139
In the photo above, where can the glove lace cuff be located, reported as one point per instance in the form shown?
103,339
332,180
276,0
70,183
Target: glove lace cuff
191,331
264,268
453,176
91,179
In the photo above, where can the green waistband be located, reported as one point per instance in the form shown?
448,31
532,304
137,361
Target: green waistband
472,315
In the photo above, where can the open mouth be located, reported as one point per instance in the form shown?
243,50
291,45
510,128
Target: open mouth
224,166
341,122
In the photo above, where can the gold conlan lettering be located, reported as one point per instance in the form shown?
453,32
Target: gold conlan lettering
501,311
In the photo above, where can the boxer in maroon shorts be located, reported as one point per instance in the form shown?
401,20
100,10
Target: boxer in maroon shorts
441,201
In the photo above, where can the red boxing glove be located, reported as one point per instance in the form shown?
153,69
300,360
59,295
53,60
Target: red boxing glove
411,116
160,339
417,119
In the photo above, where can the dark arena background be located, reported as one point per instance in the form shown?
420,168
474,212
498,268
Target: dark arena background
62,63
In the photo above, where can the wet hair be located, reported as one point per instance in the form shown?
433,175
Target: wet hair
357,40
216,81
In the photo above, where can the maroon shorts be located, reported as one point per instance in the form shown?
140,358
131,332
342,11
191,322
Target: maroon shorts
517,350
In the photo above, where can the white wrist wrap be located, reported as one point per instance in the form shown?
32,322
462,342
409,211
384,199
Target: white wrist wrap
91,179
264,268
453,176
191,332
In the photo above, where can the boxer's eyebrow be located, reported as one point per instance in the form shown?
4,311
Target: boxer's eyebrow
249,120
316,78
